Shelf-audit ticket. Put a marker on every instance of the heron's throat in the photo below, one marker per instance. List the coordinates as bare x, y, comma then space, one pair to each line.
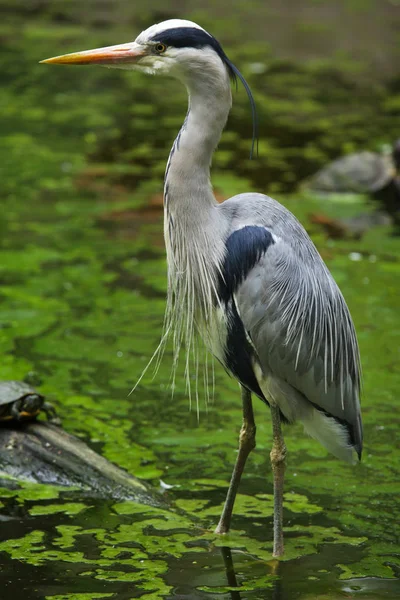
193, 227
188, 190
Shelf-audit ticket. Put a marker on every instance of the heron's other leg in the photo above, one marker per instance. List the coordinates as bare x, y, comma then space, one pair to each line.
247, 442
278, 455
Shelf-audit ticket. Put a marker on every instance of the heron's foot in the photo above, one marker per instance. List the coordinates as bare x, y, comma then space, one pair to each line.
222, 528
278, 549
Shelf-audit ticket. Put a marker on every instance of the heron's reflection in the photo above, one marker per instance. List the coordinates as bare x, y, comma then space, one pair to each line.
276, 590
230, 572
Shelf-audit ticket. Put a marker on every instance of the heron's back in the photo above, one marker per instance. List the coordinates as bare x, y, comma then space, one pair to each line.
289, 319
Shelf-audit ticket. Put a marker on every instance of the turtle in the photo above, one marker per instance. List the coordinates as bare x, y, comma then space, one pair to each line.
365, 173
21, 402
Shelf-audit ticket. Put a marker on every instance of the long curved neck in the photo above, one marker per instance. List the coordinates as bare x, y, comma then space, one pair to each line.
193, 227
187, 189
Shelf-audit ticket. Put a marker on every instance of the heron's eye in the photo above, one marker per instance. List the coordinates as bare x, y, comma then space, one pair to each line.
160, 48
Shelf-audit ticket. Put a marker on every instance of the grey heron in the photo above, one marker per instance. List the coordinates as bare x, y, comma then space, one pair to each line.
244, 275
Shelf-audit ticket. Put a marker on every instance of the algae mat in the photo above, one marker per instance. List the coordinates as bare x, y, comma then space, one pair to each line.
81, 311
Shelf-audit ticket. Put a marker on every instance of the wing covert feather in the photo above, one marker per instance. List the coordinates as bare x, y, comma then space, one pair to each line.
301, 329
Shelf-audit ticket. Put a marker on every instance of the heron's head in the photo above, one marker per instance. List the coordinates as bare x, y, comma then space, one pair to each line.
176, 47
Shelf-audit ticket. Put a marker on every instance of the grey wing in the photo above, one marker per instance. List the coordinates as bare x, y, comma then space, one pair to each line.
304, 338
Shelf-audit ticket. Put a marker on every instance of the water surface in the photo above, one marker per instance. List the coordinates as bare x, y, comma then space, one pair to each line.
83, 278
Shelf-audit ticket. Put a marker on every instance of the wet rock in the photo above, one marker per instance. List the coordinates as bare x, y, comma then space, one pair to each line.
44, 453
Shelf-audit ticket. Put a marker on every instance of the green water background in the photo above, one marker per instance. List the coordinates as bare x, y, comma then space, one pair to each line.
83, 282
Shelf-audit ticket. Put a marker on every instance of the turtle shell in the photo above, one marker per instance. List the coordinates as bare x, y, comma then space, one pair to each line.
363, 172
10, 391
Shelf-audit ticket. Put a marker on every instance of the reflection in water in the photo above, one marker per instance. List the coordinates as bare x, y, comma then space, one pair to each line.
276, 590
304, 578
230, 572
277, 587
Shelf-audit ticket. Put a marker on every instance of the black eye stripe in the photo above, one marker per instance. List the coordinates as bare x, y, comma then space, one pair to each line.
187, 37
191, 37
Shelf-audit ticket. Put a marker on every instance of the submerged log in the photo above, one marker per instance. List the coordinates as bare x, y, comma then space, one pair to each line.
44, 453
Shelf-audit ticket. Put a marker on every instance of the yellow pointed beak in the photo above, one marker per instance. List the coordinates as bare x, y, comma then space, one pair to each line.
110, 55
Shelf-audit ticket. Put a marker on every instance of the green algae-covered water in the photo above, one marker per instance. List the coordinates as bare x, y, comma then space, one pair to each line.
81, 309
83, 275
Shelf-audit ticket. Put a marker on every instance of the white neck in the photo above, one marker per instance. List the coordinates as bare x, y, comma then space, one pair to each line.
187, 178
193, 227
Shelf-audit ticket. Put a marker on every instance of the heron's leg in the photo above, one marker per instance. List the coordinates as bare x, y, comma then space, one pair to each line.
247, 442
278, 455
